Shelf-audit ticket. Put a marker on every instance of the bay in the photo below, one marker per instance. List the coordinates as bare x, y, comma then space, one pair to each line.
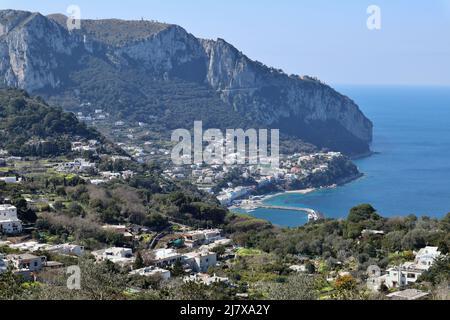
410, 174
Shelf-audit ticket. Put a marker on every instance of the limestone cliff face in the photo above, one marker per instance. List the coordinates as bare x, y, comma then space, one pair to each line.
38, 52
271, 95
32, 49
164, 51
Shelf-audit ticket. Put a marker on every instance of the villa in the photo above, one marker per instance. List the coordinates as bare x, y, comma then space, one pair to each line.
9, 223
409, 272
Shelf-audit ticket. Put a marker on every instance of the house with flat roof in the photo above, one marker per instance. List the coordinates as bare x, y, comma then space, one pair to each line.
30, 246
165, 257
26, 262
200, 261
206, 279
202, 237
409, 294
9, 180
120, 256
405, 275
9, 223
67, 249
163, 274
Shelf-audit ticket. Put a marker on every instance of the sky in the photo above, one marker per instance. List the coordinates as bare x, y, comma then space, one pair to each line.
328, 39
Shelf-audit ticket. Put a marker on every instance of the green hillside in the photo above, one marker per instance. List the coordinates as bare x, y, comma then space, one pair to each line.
30, 127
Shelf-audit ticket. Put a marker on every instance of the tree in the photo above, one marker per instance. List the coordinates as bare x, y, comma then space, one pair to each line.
445, 223
347, 288
310, 268
139, 261
98, 281
443, 247
345, 283
362, 213
187, 291
23, 212
10, 286
392, 242
414, 240
219, 250
439, 271
156, 221
177, 269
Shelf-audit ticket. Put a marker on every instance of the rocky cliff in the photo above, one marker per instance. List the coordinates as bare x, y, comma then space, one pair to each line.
39, 54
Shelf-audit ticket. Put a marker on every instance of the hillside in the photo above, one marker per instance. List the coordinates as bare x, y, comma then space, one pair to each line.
30, 127
137, 70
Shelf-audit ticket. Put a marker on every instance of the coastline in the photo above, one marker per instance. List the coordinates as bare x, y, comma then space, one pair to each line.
274, 195
341, 182
250, 204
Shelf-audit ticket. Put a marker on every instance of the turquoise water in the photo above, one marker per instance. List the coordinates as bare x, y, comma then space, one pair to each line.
411, 173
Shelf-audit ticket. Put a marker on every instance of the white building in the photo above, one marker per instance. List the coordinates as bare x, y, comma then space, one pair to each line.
221, 242
298, 268
202, 237
77, 165
121, 256
9, 223
229, 195
10, 180
409, 272
368, 232
30, 246
97, 182
201, 261
402, 276
110, 175
26, 262
152, 272
206, 279
426, 257
165, 257
67, 249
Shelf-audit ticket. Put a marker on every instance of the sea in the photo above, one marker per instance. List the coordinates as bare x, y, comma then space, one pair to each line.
410, 170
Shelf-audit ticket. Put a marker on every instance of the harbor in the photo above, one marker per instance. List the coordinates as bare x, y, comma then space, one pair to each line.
258, 203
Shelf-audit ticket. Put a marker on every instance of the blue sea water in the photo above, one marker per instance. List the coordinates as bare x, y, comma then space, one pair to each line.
411, 172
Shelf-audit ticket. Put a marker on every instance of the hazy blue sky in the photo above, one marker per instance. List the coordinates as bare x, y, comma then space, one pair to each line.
324, 38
